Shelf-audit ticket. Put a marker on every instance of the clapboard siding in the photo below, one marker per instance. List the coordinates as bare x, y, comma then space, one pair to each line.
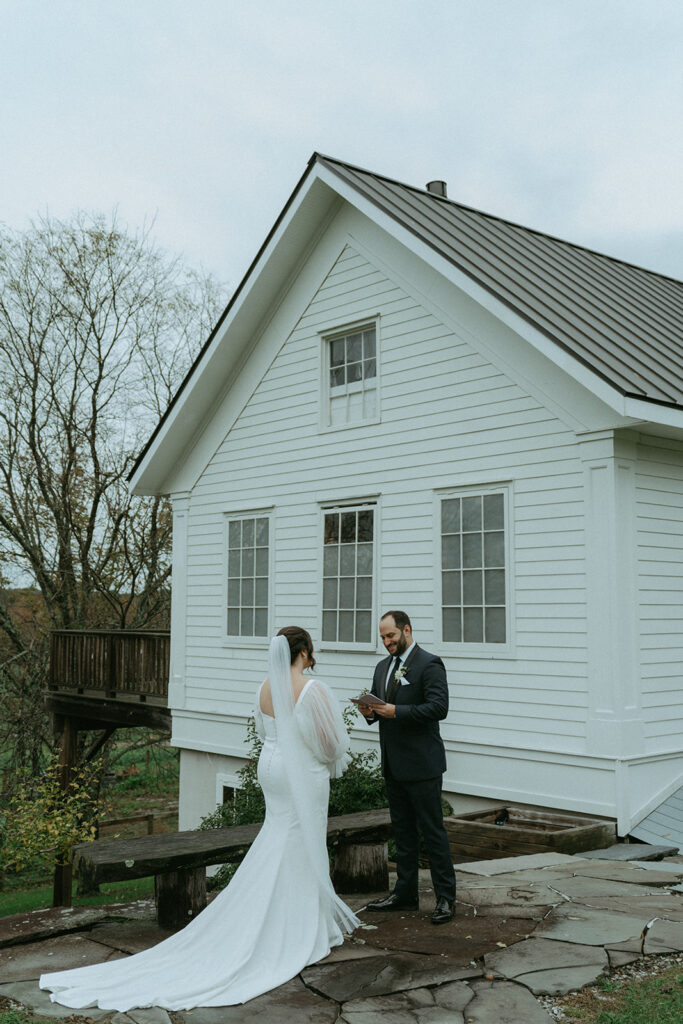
660, 588
447, 416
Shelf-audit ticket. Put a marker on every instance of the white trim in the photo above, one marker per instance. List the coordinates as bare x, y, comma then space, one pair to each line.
223, 779
488, 651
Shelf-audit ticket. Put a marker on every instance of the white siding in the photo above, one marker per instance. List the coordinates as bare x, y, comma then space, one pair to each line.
448, 417
660, 587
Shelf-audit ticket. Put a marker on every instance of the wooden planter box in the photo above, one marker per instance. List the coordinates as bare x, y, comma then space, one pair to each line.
476, 836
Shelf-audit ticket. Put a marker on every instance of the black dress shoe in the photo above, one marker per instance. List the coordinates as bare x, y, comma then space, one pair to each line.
393, 902
443, 912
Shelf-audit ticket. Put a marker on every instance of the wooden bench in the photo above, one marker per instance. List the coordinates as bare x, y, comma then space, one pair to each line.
179, 860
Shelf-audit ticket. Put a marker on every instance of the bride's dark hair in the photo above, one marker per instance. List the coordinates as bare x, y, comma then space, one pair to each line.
299, 640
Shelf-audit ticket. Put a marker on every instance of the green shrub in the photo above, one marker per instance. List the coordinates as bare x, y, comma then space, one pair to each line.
360, 788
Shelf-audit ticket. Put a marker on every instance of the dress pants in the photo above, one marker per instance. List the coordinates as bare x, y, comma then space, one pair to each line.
415, 809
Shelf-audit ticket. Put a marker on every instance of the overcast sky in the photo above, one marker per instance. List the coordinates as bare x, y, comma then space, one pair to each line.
563, 115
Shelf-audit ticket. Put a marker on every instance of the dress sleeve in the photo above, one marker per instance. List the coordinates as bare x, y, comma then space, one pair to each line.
322, 727
258, 716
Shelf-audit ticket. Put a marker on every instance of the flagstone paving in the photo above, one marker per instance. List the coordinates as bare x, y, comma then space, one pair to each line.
525, 926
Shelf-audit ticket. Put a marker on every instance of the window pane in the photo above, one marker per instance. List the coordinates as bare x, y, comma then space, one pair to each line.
471, 550
494, 549
329, 625
234, 563
332, 528
354, 348
363, 627
338, 352
450, 516
247, 622
248, 561
473, 625
346, 623
261, 593
337, 376
364, 592
248, 533
233, 592
330, 593
261, 533
364, 559
331, 560
347, 593
347, 562
369, 344
472, 587
261, 562
495, 625
471, 513
451, 625
247, 593
495, 586
493, 512
261, 622
451, 587
354, 372
365, 525
348, 527
233, 622
369, 369
235, 535
450, 552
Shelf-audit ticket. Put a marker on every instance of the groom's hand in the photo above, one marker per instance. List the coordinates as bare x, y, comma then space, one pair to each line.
386, 710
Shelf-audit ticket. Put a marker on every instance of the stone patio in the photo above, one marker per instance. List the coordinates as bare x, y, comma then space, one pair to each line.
525, 927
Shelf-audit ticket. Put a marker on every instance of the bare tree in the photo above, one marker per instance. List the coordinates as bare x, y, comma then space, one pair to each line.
97, 328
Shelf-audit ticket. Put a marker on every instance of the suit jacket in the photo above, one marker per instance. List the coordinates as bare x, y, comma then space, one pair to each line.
410, 743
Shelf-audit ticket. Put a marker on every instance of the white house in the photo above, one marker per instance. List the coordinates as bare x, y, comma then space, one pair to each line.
412, 404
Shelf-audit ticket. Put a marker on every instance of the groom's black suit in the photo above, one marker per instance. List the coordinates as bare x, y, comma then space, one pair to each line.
413, 762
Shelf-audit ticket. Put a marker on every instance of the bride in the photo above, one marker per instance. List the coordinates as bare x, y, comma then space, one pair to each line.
280, 912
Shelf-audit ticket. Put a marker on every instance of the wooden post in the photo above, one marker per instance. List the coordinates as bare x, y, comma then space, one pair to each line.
361, 867
180, 896
61, 889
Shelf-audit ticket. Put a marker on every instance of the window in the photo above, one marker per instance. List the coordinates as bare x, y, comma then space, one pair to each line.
248, 549
348, 548
352, 369
473, 584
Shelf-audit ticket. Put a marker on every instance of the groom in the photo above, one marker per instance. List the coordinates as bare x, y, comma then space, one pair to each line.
413, 683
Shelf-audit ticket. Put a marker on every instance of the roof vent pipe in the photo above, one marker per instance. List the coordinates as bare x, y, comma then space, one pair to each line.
437, 188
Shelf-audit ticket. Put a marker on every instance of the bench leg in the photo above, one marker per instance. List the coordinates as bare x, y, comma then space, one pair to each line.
180, 896
361, 867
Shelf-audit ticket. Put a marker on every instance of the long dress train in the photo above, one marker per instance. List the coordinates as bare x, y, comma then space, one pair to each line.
275, 917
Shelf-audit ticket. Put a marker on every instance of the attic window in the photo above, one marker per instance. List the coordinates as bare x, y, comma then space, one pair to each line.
351, 360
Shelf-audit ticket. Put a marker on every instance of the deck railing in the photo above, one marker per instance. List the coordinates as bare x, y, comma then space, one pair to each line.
110, 662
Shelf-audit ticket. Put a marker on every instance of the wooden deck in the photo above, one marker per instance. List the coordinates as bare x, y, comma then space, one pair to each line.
116, 677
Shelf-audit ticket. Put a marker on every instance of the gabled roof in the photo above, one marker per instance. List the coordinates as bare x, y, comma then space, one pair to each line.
623, 323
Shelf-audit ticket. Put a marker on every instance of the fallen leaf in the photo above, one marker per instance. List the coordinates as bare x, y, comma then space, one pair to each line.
503, 945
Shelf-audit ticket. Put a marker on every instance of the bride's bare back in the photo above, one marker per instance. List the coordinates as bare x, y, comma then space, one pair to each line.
299, 680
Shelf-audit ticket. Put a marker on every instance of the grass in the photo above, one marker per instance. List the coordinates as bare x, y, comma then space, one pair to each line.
653, 1000
39, 897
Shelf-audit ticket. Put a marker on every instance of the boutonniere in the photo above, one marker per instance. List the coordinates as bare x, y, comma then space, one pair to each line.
399, 674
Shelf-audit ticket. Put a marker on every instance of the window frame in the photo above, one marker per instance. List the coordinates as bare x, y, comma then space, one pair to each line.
259, 642
350, 505
472, 649
326, 339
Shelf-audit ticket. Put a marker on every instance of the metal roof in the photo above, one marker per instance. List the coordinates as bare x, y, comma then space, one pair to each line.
623, 322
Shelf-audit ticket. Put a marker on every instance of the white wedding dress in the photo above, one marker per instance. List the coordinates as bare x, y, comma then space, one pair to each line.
279, 913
